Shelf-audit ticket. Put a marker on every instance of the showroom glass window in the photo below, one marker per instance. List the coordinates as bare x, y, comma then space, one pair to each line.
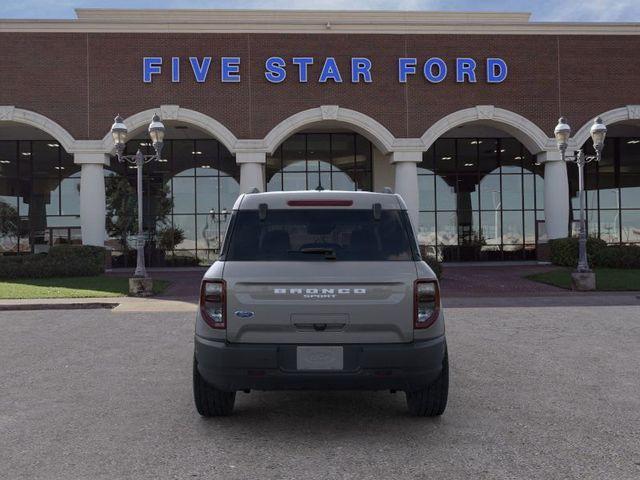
39, 196
201, 178
333, 161
612, 191
480, 199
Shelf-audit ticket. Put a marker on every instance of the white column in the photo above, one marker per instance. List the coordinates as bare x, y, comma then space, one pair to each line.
251, 170
406, 166
556, 194
92, 197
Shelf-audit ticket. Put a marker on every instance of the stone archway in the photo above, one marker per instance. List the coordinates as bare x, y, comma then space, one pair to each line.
617, 115
178, 114
373, 130
9, 113
521, 128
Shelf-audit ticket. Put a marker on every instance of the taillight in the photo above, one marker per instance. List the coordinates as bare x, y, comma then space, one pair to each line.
213, 303
426, 303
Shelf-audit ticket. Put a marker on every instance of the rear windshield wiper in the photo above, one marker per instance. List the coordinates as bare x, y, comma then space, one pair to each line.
329, 253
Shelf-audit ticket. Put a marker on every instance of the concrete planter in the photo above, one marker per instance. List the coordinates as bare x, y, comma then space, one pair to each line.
583, 282
141, 287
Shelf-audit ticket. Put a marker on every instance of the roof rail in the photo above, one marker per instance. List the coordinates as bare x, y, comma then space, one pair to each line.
387, 190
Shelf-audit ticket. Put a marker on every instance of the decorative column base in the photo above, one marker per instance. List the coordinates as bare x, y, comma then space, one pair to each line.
141, 286
583, 281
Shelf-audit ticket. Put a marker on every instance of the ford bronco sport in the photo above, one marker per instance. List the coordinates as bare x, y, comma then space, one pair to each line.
320, 290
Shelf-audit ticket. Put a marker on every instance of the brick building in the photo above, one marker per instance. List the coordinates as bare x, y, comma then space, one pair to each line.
454, 111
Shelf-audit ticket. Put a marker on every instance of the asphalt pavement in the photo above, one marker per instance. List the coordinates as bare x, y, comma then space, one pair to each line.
546, 392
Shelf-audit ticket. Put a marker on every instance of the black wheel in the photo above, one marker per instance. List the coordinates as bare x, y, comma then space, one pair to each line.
211, 402
432, 400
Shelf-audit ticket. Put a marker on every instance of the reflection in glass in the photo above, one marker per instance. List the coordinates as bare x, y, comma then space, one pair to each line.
202, 180
427, 229
630, 196
490, 198
512, 228
183, 195
445, 195
39, 191
206, 195
630, 222
306, 161
447, 228
512, 192
488, 215
610, 225
426, 188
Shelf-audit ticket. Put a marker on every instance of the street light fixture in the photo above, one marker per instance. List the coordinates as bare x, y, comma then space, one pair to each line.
598, 133
119, 133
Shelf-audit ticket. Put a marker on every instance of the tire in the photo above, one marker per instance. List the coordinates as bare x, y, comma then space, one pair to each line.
211, 402
432, 400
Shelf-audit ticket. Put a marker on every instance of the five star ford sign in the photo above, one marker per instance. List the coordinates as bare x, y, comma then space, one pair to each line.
361, 69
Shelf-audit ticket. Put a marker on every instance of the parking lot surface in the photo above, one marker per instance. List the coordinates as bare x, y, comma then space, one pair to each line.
548, 392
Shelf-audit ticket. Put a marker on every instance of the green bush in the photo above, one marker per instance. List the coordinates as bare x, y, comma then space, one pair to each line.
181, 261
617, 256
564, 251
61, 261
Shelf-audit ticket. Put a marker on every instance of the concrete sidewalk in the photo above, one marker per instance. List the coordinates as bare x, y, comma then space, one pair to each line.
463, 286
177, 304
118, 304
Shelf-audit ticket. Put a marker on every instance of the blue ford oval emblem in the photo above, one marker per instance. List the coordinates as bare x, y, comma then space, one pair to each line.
243, 314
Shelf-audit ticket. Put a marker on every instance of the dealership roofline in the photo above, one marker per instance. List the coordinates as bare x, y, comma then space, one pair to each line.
310, 21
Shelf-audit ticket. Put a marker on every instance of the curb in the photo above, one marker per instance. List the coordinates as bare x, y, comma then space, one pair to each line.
57, 306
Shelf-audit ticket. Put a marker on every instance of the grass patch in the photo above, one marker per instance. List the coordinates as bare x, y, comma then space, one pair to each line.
71, 287
607, 279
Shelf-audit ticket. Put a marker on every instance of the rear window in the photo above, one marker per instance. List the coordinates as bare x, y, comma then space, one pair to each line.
319, 235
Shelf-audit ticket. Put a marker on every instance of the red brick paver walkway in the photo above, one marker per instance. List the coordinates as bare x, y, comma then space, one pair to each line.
457, 281
504, 280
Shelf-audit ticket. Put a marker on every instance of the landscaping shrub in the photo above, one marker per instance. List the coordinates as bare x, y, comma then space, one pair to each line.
564, 251
181, 261
61, 261
617, 256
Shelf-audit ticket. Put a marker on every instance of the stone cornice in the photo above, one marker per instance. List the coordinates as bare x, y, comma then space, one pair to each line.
296, 21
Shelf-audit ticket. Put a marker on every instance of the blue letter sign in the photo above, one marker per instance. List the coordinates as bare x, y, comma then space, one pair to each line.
151, 66
303, 66
406, 66
465, 67
496, 70
230, 69
428, 70
330, 71
275, 69
434, 69
200, 71
360, 67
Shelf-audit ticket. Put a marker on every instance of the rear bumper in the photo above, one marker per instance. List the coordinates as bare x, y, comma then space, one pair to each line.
232, 367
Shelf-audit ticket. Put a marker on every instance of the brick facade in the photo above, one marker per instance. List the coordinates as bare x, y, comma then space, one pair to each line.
80, 80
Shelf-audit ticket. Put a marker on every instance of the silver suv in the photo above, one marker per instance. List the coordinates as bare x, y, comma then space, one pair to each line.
320, 290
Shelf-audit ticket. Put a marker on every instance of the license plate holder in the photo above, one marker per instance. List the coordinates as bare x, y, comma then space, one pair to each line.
320, 358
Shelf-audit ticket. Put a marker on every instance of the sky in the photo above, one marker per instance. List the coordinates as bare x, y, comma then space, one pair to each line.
542, 10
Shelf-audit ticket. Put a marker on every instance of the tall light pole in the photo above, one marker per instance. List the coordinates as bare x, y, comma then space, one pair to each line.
598, 133
156, 132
